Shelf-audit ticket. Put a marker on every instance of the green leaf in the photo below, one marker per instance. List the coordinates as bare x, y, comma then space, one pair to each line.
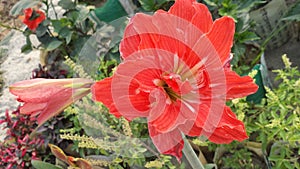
247, 36
288, 165
27, 47
210, 166
152, 5
83, 15
67, 4
110, 11
53, 45
295, 17
18, 8
293, 13
211, 3
59, 24
66, 33
239, 50
73, 15
148, 5
248, 5
295, 137
42, 165
41, 30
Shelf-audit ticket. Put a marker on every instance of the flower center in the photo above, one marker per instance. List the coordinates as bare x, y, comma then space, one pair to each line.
34, 16
171, 93
170, 84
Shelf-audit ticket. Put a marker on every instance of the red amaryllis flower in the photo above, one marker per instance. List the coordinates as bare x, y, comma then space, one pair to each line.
48, 97
175, 73
32, 18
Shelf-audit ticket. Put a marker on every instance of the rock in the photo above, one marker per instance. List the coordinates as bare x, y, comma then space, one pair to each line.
17, 66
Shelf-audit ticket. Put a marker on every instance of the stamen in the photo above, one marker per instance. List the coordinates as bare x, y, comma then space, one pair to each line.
158, 82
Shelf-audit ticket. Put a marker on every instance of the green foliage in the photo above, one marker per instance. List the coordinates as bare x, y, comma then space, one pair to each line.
67, 34
41, 165
106, 138
279, 122
293, 13
237, 157
273, 126
110, 11
164, 162
76, 68
114, 141
153, 5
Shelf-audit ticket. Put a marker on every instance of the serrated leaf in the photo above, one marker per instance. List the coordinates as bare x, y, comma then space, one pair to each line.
42, 165
53, 45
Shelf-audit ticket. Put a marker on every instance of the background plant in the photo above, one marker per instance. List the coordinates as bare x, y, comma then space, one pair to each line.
272, 126
19, 148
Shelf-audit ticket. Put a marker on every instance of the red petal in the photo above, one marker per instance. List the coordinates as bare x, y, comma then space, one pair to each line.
56, 104
221, 36
198, 14
41, 17
40, 90
163, 31
33, 23
122, 99
166, 118
239, 86
138, 105
102, 92
229, 128
32, 108
49, 96
28, 12
130, 42
167, 143
183, 9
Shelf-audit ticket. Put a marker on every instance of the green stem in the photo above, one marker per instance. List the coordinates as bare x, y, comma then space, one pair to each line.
53, 7
274, 32
190, 155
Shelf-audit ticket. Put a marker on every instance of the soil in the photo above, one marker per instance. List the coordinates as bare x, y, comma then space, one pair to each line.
5, 18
